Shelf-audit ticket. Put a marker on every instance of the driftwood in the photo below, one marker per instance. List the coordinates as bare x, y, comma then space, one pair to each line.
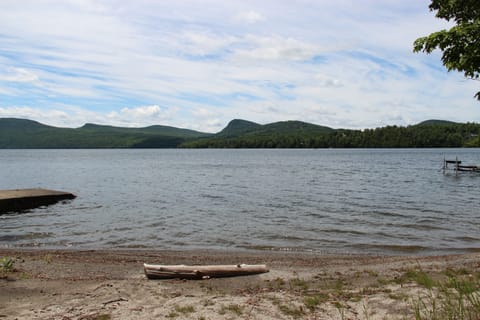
153, 271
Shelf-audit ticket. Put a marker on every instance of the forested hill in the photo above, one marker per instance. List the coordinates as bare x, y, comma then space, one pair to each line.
296, 134
21, 133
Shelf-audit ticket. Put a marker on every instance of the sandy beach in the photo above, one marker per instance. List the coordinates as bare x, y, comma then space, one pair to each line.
73, 284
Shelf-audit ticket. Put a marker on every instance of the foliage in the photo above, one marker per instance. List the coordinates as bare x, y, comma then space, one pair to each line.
184, 309
6, 264
246, 128
236, 309
457, 298
292, 311
312, 302
18, 133
420, 277
461, 43
238, 126
21, 133
298, 283
429, 134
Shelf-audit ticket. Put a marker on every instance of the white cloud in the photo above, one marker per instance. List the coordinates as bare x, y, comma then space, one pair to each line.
142, 115
140, 112
18, 75
277, 48
188, 63
203, 43
249, 17
327, 81
53, 117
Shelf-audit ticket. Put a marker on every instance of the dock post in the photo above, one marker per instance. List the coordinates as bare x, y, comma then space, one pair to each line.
456, 166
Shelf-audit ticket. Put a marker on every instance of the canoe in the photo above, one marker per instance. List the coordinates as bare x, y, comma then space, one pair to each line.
155, 271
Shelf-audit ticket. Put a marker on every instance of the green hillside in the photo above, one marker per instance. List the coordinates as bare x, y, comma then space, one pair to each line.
156, 130
296, 127
246, 134
296, 134
437, 123
238, 127
22, 133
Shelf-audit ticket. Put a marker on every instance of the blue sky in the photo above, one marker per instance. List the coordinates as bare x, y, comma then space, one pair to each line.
199, 64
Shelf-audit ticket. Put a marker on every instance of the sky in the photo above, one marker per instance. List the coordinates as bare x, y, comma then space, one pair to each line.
198, 64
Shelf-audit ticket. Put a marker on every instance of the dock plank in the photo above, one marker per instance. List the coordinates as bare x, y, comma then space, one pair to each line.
23, 199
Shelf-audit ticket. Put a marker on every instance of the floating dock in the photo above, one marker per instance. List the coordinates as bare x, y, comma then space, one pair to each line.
23, 199
458, 167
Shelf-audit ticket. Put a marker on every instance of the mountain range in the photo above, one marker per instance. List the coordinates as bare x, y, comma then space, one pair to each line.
22, 133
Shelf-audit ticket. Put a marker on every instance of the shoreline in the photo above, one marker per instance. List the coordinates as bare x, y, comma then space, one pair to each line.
387, 251
91, 284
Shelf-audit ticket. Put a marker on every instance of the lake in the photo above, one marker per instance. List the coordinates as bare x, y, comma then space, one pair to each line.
349, 201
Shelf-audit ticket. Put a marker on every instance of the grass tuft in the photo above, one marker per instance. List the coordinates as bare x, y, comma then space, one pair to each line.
312, 302
298, 283
184, 309
6, 264
457, 298
233, 308
292, 311
420, 277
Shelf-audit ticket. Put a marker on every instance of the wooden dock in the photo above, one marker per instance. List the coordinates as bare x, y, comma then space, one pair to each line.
458, 167
23, 199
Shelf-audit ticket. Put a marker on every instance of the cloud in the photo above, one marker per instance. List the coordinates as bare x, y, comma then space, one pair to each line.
142, 115
71, 116
140, 112
277, 48
249, 17
200, 64
327, 81
53, 117
203, 43
12, 74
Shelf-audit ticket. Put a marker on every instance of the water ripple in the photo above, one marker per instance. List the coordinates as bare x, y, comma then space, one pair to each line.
382, 201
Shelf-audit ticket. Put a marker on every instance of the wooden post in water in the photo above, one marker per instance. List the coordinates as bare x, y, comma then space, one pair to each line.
456, 166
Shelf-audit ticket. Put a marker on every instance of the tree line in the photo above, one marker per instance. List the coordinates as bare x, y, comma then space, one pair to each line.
416, 136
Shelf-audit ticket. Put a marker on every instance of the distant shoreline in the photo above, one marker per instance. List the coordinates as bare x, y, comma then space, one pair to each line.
28, 134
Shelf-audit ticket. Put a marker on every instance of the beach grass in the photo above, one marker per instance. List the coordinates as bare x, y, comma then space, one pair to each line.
6, 264
236, 309
185, 309
312, 302
456, 298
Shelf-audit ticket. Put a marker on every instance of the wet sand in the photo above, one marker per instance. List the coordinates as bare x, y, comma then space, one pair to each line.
110, 284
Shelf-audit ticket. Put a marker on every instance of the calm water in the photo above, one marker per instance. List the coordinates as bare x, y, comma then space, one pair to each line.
330, 201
